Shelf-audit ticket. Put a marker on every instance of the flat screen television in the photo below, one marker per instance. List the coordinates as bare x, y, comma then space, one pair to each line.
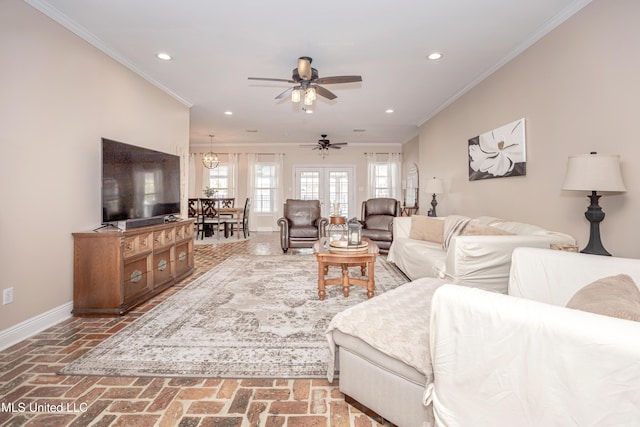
138, 182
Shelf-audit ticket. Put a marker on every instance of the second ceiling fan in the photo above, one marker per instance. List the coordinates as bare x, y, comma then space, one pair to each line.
307, 83
324, 144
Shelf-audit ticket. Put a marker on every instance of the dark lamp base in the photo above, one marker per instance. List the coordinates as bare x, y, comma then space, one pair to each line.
595, 216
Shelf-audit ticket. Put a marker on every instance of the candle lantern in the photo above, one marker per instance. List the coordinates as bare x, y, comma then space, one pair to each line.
354, 229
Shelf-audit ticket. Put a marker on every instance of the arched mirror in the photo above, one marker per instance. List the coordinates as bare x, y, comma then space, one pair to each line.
410, 203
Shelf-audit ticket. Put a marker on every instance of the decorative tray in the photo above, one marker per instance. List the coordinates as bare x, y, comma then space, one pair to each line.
342, 246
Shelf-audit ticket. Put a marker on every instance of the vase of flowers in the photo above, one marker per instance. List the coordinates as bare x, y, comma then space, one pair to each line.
210, 192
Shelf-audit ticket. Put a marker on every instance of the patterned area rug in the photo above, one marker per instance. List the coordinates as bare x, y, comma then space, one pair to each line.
249, 317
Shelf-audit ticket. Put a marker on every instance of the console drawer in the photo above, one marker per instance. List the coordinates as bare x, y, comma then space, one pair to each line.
163, 238
134, 245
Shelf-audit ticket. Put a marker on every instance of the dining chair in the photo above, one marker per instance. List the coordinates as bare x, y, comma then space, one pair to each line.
227, 202
209, 218
193, 207
244, 220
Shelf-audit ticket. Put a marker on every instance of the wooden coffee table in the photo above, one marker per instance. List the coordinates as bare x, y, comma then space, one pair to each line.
365, 260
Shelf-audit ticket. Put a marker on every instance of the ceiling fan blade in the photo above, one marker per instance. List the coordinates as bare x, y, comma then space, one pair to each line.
324, 92
338, 79
308, 145
340, 143
285, 93
334, 146
267, 79
304, 68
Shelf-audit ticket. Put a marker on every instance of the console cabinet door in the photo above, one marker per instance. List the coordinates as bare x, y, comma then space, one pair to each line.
137, 280
162, 267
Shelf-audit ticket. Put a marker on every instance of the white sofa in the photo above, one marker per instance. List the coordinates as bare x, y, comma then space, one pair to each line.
498, 360
529, 361
479, 260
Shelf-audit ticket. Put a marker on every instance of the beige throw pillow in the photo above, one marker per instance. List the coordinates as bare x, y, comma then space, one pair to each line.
426, 228
473, 229
615, 296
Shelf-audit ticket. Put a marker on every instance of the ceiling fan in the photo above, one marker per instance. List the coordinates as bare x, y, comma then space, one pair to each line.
307, 82
324, 144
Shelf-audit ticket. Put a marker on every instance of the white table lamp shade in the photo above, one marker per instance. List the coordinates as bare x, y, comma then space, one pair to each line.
434, 186
594, 172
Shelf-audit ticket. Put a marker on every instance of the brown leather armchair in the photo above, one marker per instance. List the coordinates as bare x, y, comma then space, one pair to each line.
377, 220
302, 224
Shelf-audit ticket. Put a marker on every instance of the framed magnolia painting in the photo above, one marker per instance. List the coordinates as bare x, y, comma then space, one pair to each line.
498, 153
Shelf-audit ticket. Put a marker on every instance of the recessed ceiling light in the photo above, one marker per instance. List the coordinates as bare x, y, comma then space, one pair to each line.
164, 56
359, 130
228, 113
252, 130
389, 110
434, 56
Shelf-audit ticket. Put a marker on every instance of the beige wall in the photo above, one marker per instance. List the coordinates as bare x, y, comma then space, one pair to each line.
579, 90
59, 96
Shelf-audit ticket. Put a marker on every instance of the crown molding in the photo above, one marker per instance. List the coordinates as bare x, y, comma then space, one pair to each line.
84, 34
551, 24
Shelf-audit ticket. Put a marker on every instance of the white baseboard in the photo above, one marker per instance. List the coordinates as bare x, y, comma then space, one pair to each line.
30, 327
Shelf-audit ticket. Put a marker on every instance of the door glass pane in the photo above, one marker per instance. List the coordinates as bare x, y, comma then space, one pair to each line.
333, 186
310, 185
339, 193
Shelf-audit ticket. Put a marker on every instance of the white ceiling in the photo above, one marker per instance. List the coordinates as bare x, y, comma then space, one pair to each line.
216, 45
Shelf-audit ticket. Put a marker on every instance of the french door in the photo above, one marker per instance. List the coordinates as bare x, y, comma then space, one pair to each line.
334, 186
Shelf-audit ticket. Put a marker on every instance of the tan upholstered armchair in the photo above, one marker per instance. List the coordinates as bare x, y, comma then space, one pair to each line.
377, 221
302, 224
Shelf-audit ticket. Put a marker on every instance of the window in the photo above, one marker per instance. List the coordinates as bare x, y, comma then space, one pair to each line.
265, 188
309, 185
219, 180
382, 183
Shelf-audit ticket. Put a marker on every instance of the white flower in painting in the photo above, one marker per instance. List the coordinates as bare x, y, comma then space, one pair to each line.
499, 150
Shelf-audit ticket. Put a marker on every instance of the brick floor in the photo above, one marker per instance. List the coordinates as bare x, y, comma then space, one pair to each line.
31, 394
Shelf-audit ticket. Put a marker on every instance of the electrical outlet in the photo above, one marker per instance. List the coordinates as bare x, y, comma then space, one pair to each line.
7, 296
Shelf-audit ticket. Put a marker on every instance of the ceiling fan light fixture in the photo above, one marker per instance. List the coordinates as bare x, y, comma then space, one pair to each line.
295, 95
309, 96
210, 160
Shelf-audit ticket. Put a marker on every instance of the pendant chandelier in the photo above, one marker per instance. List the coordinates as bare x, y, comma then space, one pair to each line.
210, 160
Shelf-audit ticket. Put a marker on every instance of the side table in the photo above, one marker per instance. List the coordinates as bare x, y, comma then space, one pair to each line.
408, 210
365, 260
